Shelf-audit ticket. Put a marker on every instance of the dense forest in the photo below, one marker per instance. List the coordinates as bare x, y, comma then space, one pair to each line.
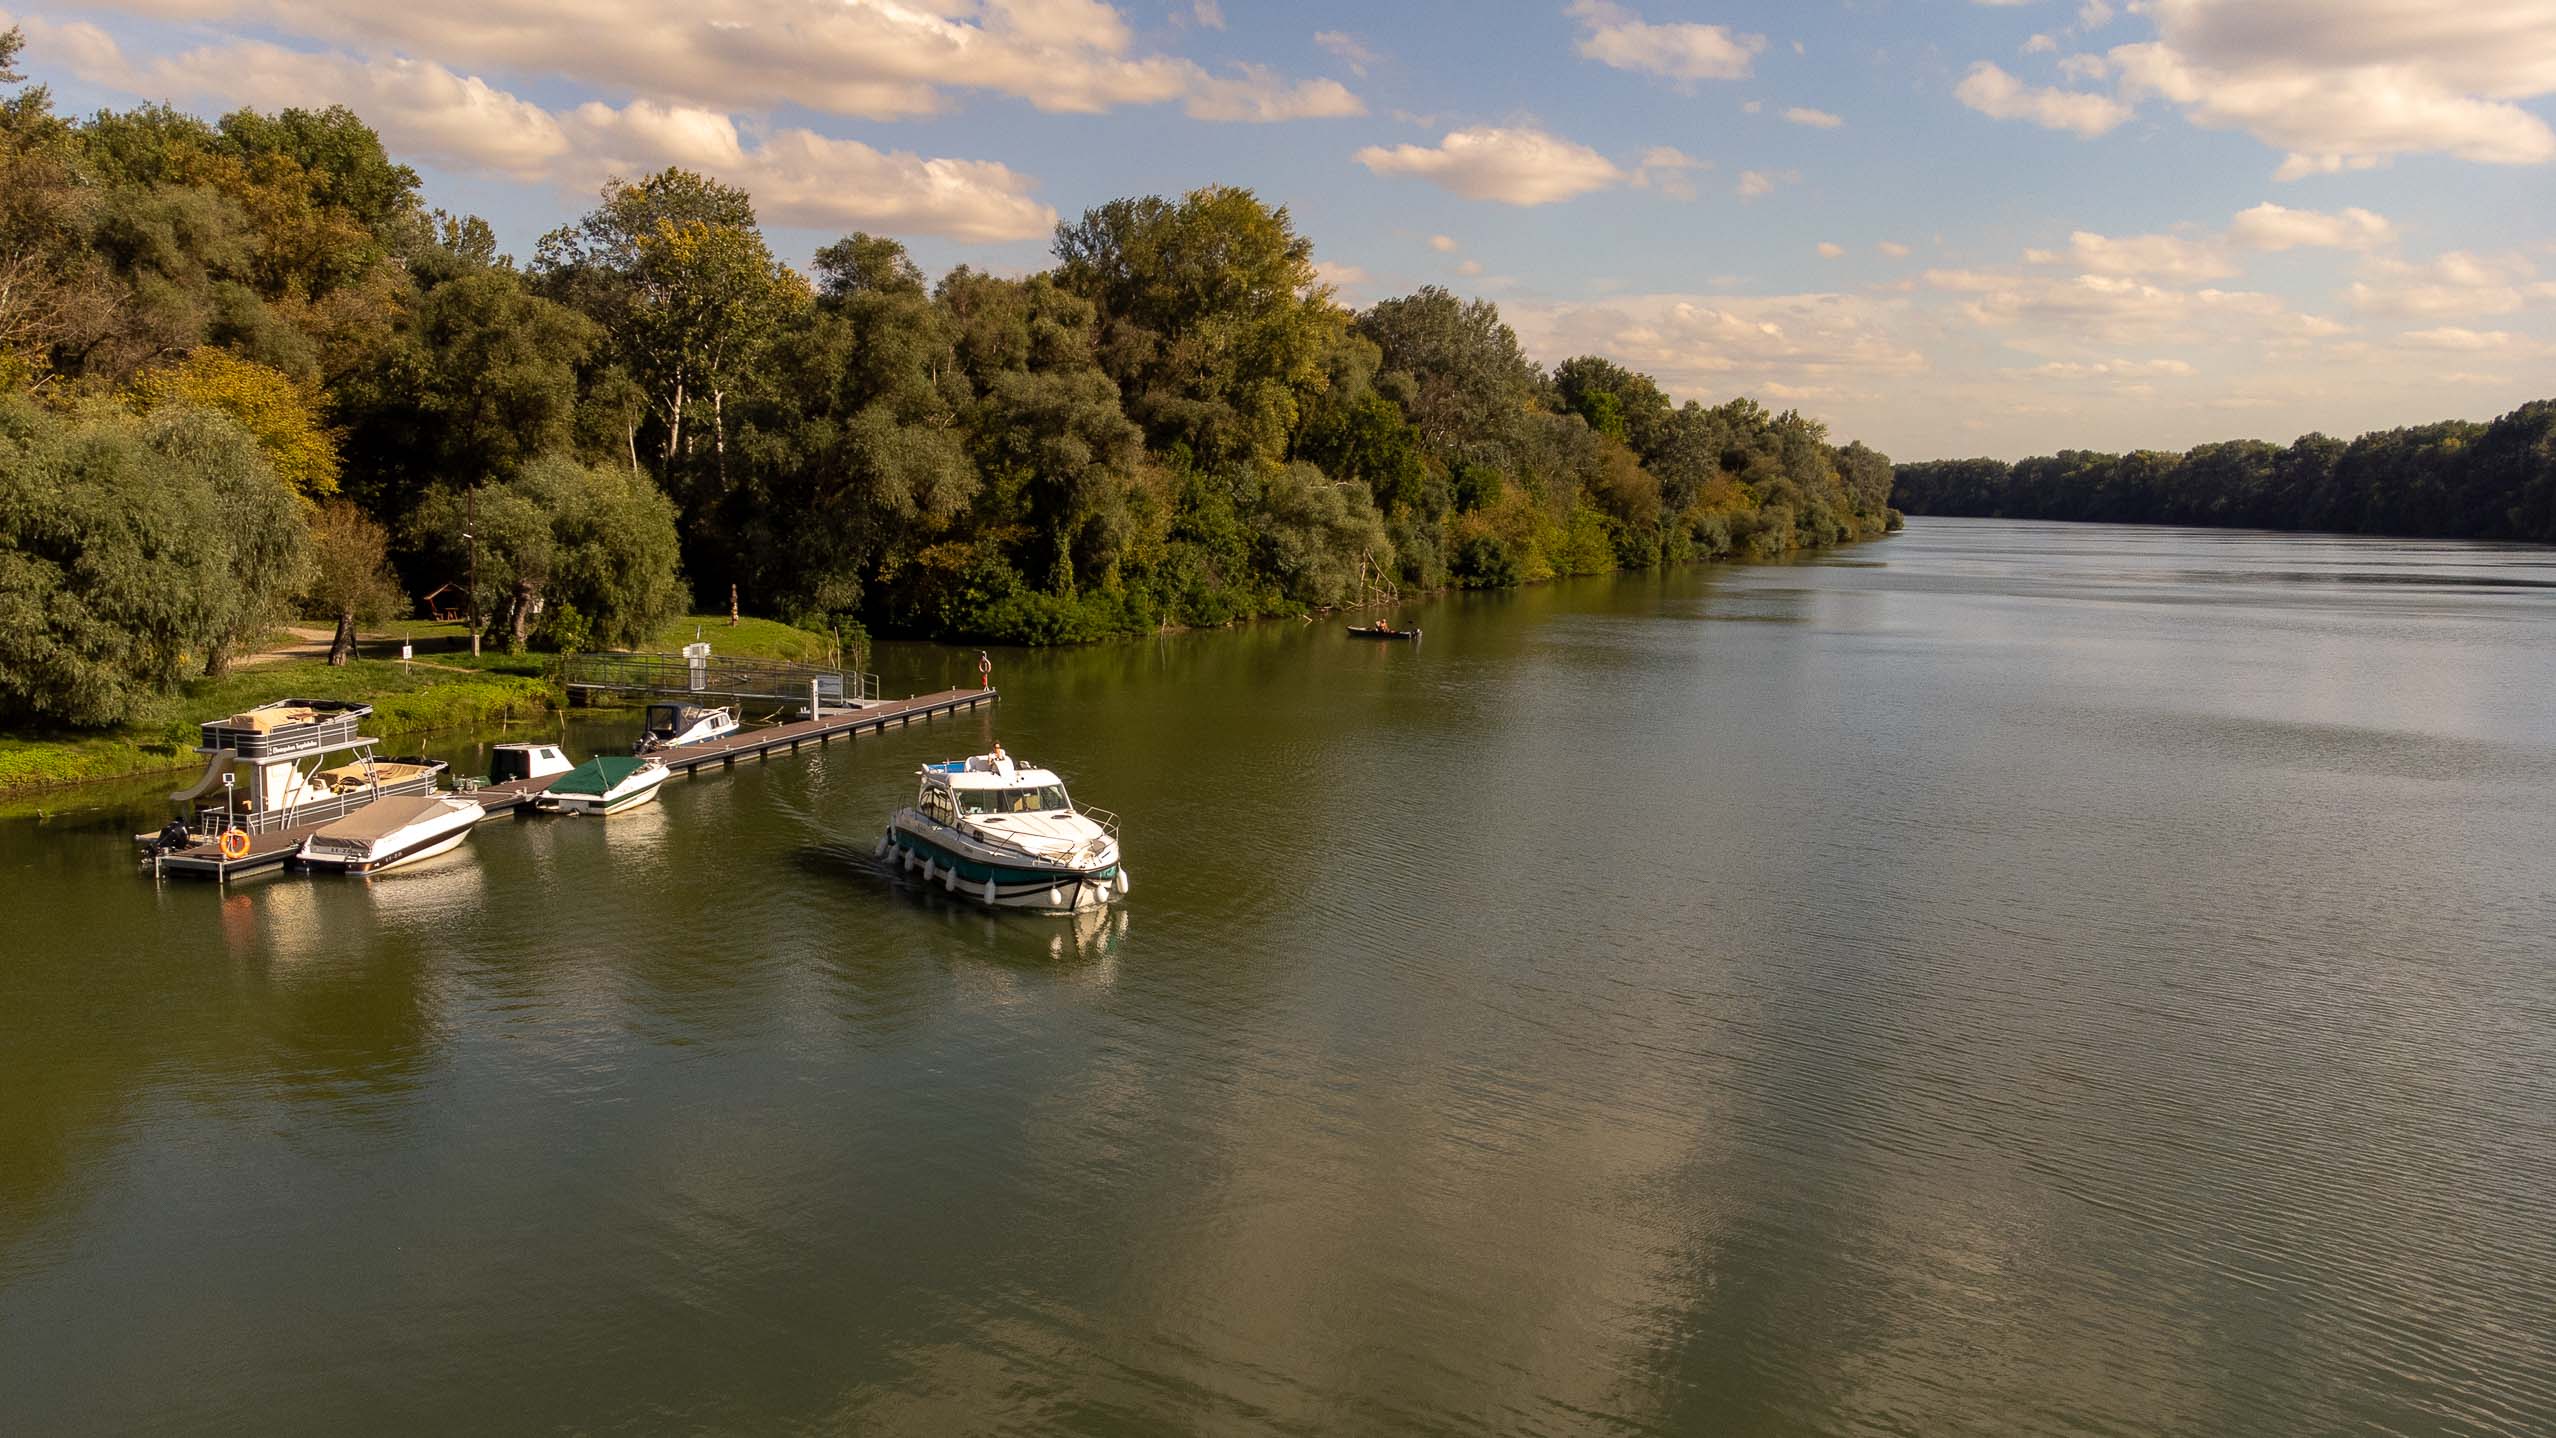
246, 372
2456, 479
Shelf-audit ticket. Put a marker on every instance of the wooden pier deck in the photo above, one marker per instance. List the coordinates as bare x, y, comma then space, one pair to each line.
271, 849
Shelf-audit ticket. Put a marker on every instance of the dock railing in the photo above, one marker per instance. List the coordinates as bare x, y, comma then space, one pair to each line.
716, 676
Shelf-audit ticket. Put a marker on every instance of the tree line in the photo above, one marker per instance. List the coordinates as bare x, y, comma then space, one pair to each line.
2456, 479
246, 370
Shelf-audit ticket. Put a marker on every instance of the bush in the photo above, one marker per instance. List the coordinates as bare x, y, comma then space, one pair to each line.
1485, 561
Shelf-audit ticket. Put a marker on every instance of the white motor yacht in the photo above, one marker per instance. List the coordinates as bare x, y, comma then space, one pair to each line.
387, 833
1007, 835
672, 726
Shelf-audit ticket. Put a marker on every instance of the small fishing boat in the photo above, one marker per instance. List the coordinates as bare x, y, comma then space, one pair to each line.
508, 763
387, 833
1382, 631
1006, 835
672, 726
605, 784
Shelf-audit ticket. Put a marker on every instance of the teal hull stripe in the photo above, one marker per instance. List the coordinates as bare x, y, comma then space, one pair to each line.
976, 873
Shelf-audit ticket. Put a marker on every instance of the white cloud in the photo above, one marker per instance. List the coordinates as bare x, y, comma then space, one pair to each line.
1814, 346
1829, 250
1755, 184
1893, 248
797, 177
2105, 309
2342, 84
2453, 284
2456, 340
1519, 166
1339, 276
2085, 67
2160, 257
1816, 119
2110, 369
1614, 35
1993, 92
2270, 227
1348, 49
1469, 267
2041, 45
1443, 244
2094, 14
1208, 14
1253, 92
1668, 169
875, 59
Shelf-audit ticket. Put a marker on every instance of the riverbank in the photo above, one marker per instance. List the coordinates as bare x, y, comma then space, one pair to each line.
445, 687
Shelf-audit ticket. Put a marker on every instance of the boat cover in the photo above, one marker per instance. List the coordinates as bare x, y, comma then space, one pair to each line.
383, 817
598, 776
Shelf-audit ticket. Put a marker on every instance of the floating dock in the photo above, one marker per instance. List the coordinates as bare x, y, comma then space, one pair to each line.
269, 850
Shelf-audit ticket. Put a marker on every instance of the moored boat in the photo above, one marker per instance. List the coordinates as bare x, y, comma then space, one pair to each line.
605, 784
508, 763
673, 726
1006, 835
387, 833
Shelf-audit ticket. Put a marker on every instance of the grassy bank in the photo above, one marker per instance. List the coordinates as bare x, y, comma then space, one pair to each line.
750, 639
447, 688
412, 701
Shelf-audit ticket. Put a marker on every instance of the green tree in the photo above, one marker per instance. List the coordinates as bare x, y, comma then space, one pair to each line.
351, 580
128, 545
559, 535
1212, 320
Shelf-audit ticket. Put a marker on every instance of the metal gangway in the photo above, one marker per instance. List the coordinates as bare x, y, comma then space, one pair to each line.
698, 672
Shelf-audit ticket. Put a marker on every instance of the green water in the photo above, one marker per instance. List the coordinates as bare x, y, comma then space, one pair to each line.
2009, 979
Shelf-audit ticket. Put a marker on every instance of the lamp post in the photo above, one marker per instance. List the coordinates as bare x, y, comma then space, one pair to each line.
470, 531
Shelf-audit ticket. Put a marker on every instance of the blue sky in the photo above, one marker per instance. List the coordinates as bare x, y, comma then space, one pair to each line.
1945, 228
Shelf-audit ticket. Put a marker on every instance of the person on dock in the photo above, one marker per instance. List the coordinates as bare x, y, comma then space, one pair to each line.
984, 670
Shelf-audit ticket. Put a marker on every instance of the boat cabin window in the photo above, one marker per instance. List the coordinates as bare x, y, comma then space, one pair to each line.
1035, 799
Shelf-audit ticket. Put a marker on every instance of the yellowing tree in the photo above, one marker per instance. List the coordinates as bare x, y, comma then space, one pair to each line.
281, 412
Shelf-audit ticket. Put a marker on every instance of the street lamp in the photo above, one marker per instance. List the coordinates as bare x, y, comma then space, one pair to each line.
470, 532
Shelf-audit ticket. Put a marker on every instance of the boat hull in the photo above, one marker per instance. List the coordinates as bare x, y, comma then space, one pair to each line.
601, 805
997, 879
400, 852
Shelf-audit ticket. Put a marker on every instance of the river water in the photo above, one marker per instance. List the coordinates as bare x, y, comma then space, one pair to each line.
2010, 978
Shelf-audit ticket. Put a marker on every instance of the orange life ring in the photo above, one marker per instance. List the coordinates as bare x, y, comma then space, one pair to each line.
235, 843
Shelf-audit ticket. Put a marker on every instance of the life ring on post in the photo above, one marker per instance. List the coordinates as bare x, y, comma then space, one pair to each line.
235, 843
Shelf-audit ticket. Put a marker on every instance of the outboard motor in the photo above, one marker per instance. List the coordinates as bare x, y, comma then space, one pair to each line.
173, 837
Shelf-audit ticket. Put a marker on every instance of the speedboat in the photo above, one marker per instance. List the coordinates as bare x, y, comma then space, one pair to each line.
605, 784
508, 763
672, 726
1382, 631
1006, 835
387, 833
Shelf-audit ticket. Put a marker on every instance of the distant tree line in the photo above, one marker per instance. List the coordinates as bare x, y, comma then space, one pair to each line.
2455, 479
1178, 424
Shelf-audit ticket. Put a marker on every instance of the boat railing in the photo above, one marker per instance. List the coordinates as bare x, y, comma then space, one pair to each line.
210, 818
328, 731
1103, 817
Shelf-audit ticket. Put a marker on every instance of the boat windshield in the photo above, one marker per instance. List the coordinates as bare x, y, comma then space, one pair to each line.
1039, 799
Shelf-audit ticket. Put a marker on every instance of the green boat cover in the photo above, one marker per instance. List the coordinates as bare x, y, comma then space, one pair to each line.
598, 776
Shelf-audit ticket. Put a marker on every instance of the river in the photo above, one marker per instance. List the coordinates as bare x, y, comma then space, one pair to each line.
2006, 979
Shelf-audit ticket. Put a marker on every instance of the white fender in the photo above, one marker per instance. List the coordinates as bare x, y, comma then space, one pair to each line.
1055, 897
1122, 878
949, 880
881, 851
989, 889
927, 868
